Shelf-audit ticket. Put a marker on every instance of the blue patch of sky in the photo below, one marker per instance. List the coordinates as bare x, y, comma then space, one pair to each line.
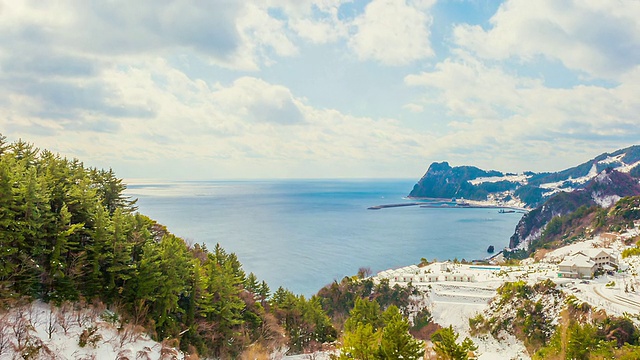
352, 9
473, 12
449, 13
277, 13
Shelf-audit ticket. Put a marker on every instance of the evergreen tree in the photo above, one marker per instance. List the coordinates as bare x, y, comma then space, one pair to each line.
396, 342
251, 283
364, 312
446, 346
68, 232
361, 343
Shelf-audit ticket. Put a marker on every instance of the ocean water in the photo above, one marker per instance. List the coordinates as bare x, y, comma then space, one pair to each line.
304, 234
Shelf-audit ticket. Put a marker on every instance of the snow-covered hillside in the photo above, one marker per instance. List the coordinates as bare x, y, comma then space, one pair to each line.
74, 331
456, 293
527, 189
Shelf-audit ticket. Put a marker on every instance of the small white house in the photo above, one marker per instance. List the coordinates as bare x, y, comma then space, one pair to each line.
578, 265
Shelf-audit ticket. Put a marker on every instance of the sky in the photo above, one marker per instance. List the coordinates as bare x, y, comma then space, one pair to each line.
229, 89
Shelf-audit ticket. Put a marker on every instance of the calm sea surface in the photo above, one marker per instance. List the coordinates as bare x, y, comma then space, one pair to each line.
304, 234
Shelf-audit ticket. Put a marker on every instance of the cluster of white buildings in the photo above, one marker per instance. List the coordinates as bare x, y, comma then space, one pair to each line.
582, 264
417, 275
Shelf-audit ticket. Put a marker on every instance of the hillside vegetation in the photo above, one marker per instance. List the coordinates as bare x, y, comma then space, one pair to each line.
555, 326
582, 223
569, 214
69, 235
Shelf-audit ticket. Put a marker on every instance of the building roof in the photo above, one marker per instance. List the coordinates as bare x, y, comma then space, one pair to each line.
593, 253
579, 260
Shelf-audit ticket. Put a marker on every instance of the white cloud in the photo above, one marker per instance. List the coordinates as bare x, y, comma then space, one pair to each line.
261, 33
230, 34
319, 31
255, 100
246, 124
316, 21
166, 83
599, 38
497, 111
416, 108
392, 32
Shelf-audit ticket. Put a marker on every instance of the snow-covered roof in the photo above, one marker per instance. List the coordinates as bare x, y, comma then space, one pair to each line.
579, 260
593, 253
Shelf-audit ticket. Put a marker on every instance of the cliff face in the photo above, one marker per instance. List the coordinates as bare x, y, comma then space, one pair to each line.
603, 190
444, 181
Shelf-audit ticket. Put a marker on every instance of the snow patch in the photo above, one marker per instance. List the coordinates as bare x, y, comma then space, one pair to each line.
613, 159
518, 178
557, 186
627, 168
605, 201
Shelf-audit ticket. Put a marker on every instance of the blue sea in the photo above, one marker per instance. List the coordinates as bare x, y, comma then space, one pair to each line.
304, 234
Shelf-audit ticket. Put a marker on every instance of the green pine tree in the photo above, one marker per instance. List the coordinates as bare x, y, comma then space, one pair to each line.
446, 346
396, 342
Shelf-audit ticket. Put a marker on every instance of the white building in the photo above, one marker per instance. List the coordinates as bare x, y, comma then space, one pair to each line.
603, 258
585, 263
578, 265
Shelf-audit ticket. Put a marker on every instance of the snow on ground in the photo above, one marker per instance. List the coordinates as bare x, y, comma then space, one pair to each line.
606, 201
618, 293
556, 187
457, 292
454, 302
314, 356
627, 168
519, 178
47, 332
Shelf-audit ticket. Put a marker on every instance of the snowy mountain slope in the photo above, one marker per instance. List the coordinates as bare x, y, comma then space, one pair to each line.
529, 189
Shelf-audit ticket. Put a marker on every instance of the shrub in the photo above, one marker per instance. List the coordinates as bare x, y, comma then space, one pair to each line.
90, 337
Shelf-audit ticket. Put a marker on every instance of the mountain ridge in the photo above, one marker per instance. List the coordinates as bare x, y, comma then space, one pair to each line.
604, 190
598, 183
528, 189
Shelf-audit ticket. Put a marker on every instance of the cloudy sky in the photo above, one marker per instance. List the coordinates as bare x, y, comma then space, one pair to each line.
320, 88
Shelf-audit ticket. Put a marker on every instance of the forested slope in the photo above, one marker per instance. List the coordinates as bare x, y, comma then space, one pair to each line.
68, 232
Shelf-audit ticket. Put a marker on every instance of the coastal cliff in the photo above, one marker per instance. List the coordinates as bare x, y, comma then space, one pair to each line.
595, 184
443, 181
602, 191
527, 189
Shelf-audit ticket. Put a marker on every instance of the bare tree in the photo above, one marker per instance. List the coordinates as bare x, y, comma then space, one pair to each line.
125, 355
35, 315
140, 311
364, 272
168, 349
51, 322
144, 354
129, 333
64, 315
21, 327
5, 340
